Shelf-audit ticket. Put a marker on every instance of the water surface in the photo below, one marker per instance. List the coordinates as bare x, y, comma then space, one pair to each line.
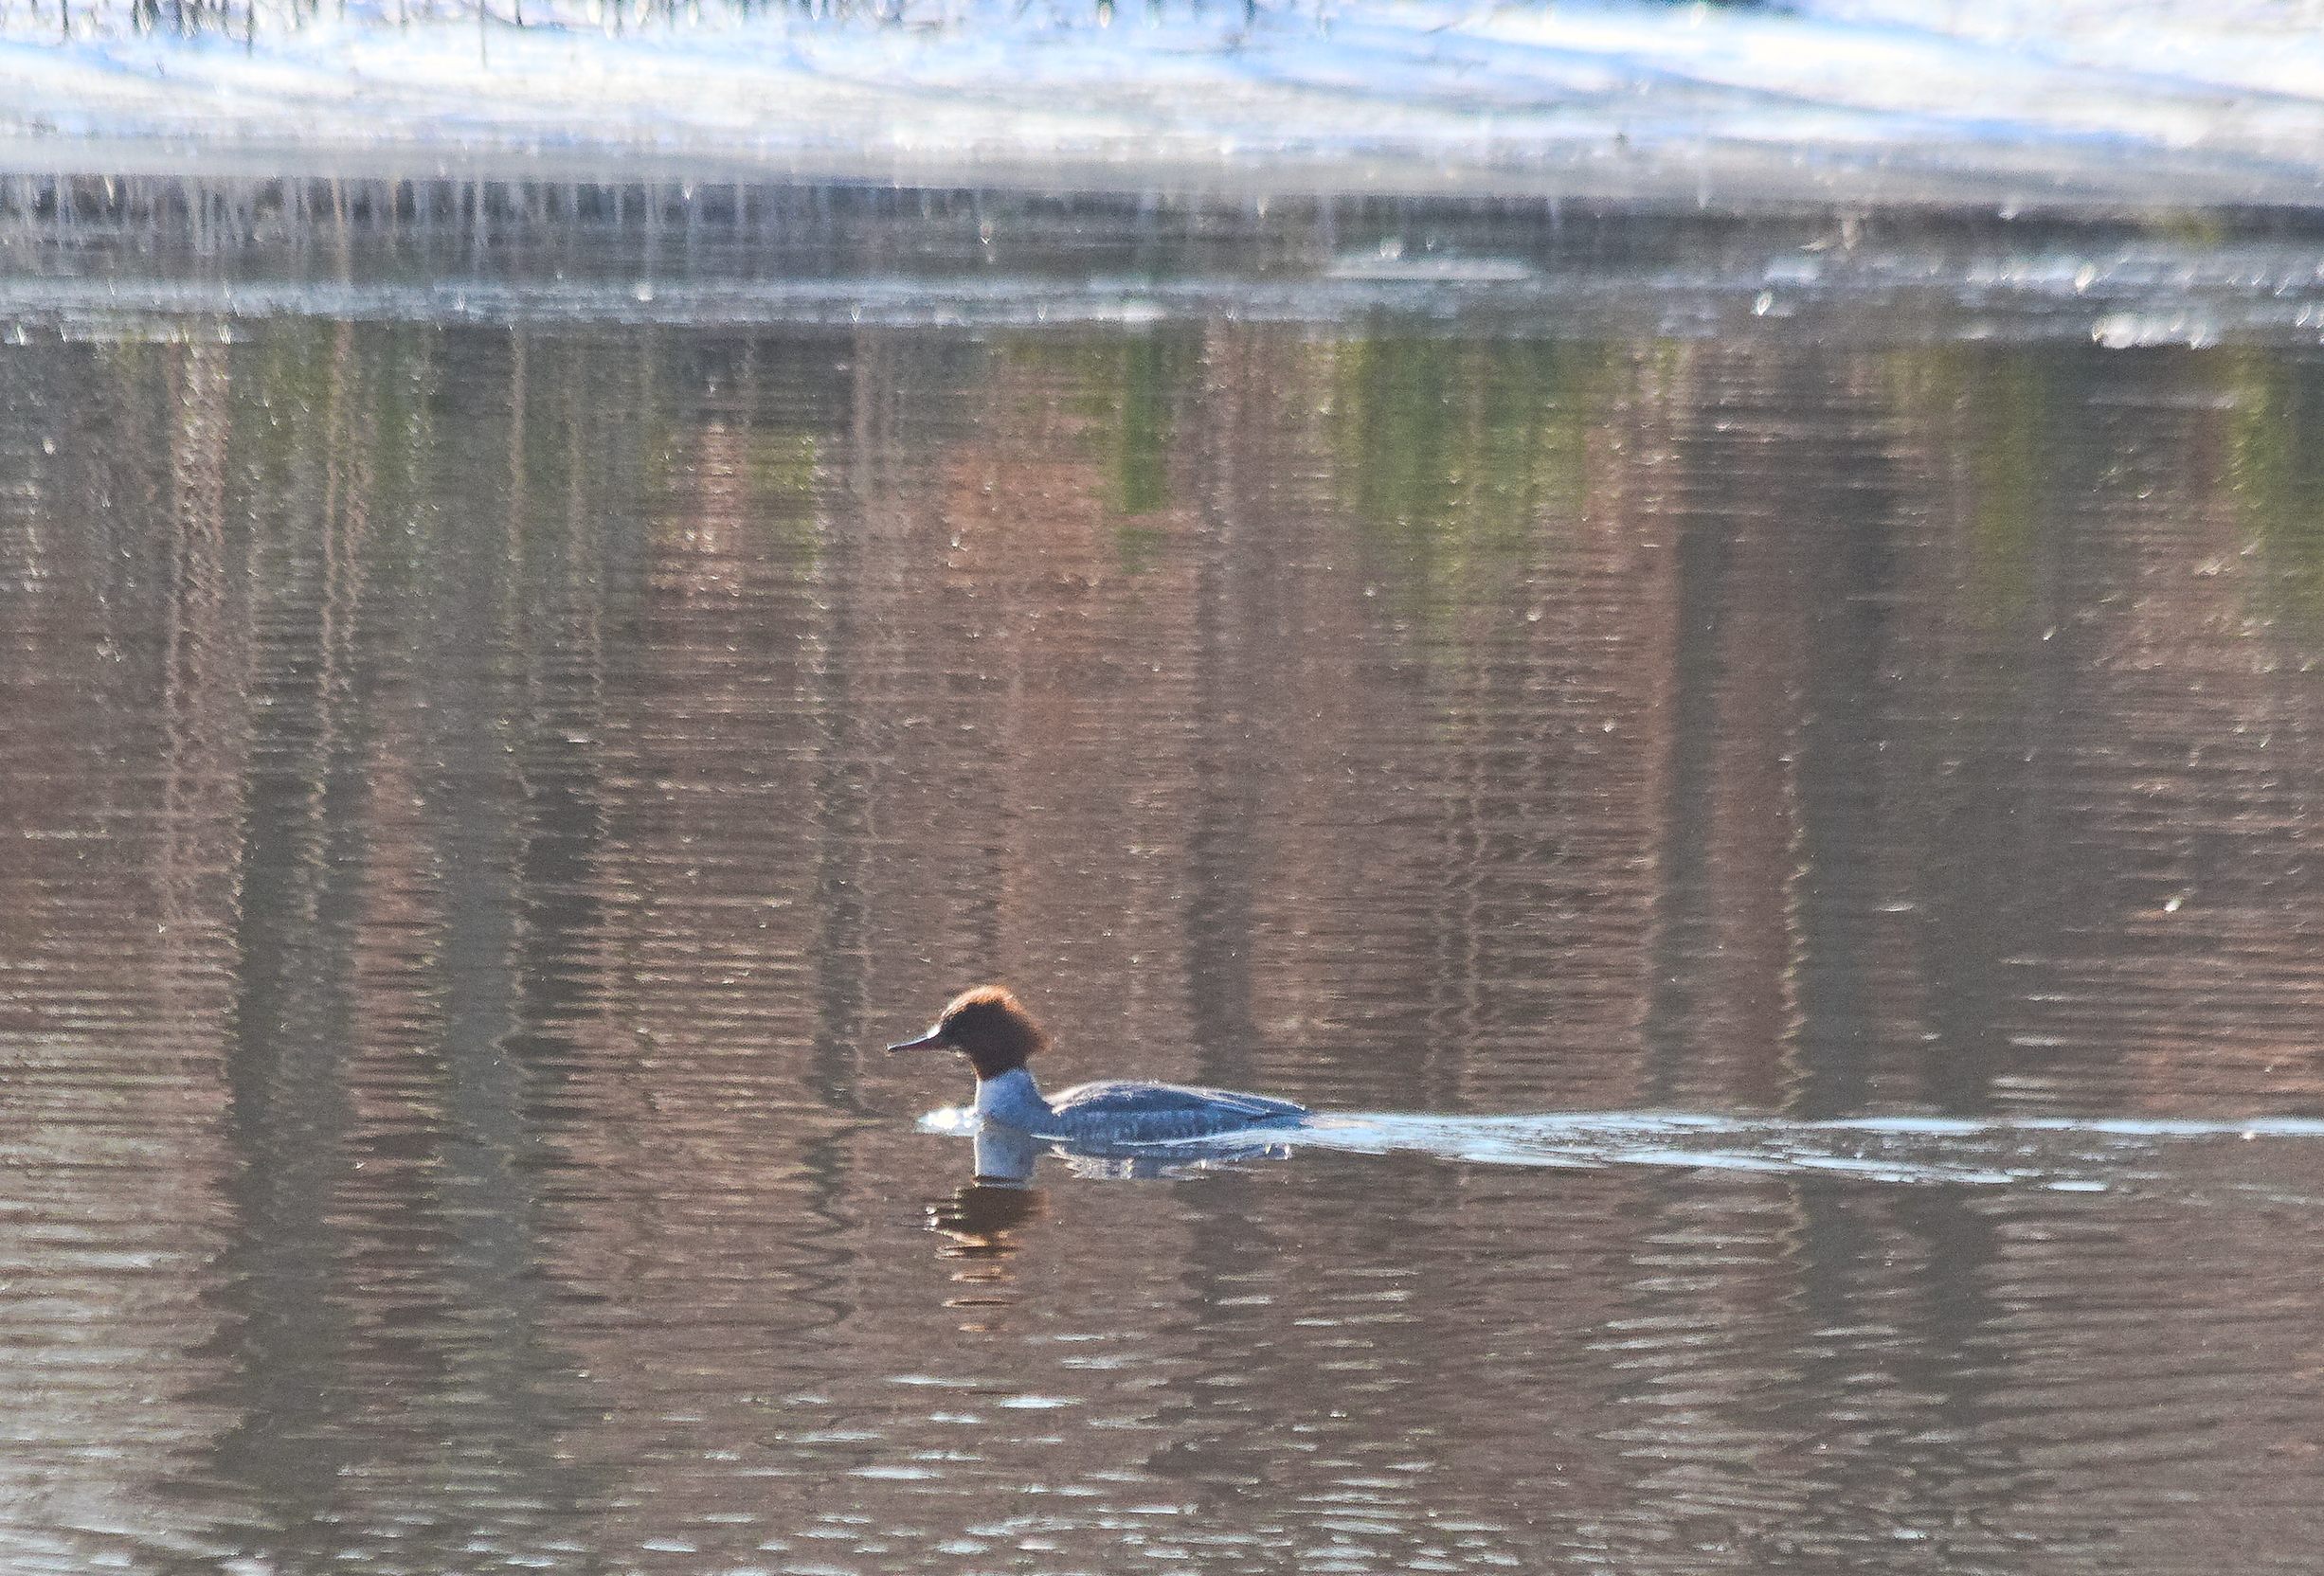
480, 792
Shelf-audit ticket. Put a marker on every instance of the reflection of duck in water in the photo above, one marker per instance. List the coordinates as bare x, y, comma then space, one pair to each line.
1006, 1156
990, 1028
980, 1216
981, 1220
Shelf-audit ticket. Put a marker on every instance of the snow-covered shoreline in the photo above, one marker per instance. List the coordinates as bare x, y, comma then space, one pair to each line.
2064, 106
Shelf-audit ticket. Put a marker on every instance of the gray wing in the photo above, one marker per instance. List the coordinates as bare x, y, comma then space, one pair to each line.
1123, 1097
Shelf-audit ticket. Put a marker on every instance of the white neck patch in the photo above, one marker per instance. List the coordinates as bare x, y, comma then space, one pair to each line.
1012, 1098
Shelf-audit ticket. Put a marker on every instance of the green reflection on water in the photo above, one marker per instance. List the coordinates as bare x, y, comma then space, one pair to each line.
1149, 370
2277, 470
1456, 451
2006, 405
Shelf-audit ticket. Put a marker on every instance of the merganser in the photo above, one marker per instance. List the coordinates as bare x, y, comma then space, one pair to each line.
992, 1028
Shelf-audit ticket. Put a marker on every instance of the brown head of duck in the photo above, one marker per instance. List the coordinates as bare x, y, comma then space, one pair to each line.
989, 1026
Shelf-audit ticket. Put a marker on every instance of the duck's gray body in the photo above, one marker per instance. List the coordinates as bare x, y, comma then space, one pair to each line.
1126, 1111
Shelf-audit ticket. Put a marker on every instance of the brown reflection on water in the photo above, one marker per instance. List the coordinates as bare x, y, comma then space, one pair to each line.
478, 801
126, 739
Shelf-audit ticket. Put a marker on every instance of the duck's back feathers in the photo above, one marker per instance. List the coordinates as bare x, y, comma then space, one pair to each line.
1122, 1104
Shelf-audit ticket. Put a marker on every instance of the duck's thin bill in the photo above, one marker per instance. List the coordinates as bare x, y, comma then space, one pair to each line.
930, 1038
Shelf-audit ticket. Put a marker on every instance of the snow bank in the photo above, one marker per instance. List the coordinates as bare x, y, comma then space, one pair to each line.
2003, 102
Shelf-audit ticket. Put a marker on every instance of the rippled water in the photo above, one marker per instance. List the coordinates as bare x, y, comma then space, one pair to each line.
1789, 848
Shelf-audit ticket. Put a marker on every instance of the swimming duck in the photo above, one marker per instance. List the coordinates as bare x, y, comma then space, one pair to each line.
992, 1028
